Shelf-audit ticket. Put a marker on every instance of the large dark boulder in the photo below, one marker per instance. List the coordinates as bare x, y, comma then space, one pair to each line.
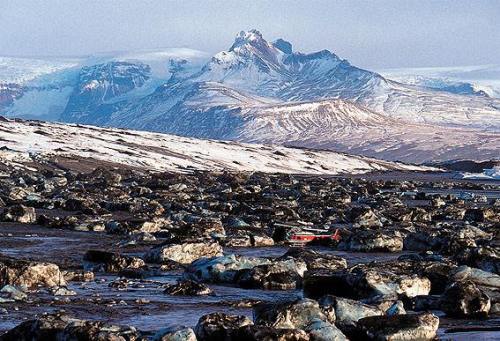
465, 299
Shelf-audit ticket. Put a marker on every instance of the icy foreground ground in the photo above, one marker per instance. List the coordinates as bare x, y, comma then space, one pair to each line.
25, 141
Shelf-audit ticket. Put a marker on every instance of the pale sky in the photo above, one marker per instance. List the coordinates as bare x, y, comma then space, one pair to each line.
370, 34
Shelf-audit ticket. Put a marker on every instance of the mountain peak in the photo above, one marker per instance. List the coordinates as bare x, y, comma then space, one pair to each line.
283, 45
247, 37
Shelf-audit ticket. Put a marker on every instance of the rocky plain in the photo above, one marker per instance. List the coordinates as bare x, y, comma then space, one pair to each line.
126, 254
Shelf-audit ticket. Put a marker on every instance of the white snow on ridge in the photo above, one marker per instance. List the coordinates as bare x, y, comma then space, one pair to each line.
25, 140
482, 77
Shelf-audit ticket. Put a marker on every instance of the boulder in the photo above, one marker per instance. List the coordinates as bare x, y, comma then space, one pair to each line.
28, 274
480, 214
348, 312
55, 327
11, 292
364, 217
261, 241
46, 328
374, 241
97, 330
297, 314
438, 274
187, 288
261, 333
19, 214
320, 330
399, 327
221, 269
183, 253
478, 276
111, 262
359, 283
315, 260
78, 276
220, 326
176, 334
486, 258
465, 299
279, 275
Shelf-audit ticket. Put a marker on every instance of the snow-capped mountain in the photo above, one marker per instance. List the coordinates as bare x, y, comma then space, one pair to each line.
274, 70
260, 91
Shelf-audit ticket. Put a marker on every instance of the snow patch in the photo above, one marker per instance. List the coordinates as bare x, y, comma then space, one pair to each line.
163, 152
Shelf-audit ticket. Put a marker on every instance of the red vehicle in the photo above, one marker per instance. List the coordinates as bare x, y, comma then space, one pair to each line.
305, 237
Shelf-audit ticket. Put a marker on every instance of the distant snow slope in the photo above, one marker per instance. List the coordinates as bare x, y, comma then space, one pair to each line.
476, 79
22, 142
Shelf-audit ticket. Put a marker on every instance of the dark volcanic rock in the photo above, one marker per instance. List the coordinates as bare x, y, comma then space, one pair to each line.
280, 275
295, 314
54, 327
361, 282
219, 326
315, 260
399, 327
111, 262
465, 299
260, 333
19, 214
188, 288
29, 274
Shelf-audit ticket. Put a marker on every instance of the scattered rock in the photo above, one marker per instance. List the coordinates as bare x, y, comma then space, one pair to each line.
184, 253
222, 269
19, 214
465, 299
188, 288
29, 274
176, 334
219, 326
296, 314
320, 330
400, 327
105, 261
347, 312
279, 275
